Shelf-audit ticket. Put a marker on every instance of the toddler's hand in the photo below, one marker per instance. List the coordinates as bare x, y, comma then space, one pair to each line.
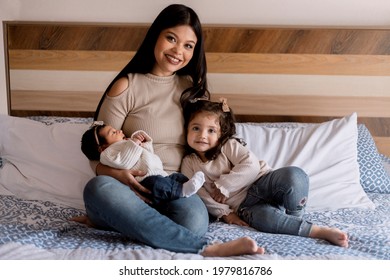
233, 218
217, 195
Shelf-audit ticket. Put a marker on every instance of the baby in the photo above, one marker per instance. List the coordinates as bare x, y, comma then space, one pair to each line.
110, 146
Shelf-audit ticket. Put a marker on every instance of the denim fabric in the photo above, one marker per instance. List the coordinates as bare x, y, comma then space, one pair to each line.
275, 202
164, 188
112, 205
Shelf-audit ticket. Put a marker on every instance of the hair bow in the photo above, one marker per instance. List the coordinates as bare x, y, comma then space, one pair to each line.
225, 106
95, 125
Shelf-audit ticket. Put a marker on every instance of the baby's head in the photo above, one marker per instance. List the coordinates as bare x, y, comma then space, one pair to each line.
208, 125
97, 138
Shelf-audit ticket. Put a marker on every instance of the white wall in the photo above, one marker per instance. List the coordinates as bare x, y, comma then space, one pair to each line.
262, 12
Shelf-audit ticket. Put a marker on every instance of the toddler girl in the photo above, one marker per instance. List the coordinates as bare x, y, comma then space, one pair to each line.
240, 189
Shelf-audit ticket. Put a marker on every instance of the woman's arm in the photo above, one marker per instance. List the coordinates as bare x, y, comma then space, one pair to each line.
126, 177
114, 111
114, 108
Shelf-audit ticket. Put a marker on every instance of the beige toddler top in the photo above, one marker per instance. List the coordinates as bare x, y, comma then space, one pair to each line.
232, 172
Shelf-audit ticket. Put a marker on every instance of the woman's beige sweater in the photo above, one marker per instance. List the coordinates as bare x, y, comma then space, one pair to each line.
151, 103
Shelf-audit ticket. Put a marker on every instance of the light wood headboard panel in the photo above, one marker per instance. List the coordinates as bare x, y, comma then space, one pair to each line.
267, 73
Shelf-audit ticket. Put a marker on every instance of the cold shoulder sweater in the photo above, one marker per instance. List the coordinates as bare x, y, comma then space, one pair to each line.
151, 103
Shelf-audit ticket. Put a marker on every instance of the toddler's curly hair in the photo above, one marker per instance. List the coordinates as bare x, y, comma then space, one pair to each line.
226, 121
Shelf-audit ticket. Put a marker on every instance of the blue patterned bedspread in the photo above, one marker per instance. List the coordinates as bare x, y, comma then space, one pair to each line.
38, 229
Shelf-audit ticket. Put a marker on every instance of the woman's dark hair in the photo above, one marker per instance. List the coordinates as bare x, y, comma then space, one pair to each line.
226, 122
91, 141
144, 59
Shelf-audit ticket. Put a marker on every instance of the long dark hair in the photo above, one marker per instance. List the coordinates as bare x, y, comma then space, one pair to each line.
144, 59
226, 121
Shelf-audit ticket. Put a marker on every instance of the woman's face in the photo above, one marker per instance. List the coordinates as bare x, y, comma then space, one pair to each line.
174, 49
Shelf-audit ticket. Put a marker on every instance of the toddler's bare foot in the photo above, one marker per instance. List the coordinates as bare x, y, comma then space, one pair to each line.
241, 246
333, 235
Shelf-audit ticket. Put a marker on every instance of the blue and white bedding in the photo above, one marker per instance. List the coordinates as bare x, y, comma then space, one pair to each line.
35, 225
41, 230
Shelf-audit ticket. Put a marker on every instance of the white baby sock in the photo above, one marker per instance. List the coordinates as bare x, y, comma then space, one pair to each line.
193, 185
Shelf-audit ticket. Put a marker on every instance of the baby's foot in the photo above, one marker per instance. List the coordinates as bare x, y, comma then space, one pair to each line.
193, 185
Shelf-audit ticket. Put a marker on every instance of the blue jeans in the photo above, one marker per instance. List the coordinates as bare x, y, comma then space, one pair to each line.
164, 188
275, 202
112, 205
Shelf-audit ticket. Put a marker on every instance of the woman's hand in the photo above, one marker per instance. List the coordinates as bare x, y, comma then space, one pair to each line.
126, 177
233, 218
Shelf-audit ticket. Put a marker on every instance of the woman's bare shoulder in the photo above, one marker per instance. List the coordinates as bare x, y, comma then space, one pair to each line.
118, 87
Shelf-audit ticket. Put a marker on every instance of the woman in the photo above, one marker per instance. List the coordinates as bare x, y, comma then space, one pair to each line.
168, 69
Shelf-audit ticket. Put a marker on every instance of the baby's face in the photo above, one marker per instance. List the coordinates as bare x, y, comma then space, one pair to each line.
111, 134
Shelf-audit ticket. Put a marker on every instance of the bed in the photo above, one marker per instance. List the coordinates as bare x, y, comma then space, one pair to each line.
313, 97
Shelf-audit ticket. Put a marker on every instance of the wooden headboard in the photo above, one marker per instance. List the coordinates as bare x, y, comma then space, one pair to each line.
267, 73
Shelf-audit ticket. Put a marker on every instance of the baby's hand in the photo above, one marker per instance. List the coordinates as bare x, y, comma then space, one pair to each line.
140, 137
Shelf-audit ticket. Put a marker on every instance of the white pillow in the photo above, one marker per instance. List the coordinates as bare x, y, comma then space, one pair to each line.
327, 152
43, 162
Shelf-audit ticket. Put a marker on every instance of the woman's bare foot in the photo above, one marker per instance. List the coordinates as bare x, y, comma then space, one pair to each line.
241, 246
333, 235
82, 220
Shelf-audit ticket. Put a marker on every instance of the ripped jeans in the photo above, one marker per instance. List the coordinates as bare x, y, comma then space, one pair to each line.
275, 202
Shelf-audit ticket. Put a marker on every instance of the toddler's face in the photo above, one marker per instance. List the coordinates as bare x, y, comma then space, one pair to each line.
203, 132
